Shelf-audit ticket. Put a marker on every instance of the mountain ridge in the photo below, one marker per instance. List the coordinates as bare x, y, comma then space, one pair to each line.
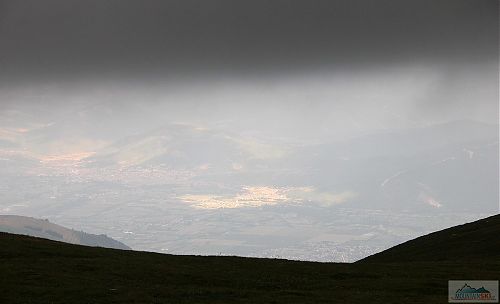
44, 229
474, 240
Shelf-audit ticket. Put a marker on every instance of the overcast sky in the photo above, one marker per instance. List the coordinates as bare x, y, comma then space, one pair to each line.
290, 66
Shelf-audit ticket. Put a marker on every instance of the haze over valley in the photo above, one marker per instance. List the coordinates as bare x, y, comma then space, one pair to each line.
319, 131
188, 189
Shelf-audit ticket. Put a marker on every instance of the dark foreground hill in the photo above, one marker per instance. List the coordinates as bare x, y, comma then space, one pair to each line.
465, 243
47, 230
36, 270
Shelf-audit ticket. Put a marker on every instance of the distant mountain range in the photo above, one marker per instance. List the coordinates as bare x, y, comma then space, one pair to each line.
424, 169
421, 169
45, 229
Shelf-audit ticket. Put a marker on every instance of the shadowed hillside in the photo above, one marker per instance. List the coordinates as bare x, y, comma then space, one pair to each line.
468, 242
42, 271
47, 230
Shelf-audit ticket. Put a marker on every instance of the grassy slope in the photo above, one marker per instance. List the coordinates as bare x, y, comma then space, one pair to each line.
468, 242
41, 271
45, 229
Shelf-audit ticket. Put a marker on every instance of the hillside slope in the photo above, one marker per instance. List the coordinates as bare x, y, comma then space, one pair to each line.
37, 270
468, 242
44, 229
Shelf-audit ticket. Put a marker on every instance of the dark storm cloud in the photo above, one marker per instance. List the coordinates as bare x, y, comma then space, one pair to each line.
44, 39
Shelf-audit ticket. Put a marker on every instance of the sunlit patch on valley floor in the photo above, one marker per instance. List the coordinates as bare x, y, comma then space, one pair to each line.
257, 196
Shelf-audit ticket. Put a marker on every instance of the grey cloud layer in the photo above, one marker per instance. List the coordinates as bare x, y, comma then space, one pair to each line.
117, 38
294, 66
